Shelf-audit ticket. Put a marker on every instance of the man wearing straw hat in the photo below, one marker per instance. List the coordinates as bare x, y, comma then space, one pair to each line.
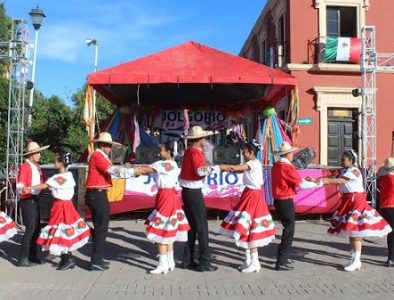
30, 174
97, 184
285, 180
193, 171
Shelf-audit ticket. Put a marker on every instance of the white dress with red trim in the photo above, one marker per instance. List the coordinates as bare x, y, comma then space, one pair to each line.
250, 222
7, 227
355, 217
167, 223
66, 230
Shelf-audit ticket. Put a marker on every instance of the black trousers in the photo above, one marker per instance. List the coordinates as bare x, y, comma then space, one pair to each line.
196, 214
97, 201
31, 219
388, 215
286, 213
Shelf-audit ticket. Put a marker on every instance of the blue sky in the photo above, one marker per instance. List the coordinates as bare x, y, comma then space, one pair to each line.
126, 30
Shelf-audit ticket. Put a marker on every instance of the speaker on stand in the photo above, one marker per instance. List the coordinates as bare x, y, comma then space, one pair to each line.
304, 157
227, 155
146, 155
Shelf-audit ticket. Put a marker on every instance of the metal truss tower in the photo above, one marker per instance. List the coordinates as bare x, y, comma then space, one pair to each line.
371, 63
16, 52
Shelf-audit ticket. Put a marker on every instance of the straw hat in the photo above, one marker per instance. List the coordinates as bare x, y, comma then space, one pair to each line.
389, 164
33, 147
197, 133
106, 138
285, 148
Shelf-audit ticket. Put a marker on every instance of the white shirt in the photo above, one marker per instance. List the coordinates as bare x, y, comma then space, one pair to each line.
355, 182
253, 178
35, 177
166, 175
62, 186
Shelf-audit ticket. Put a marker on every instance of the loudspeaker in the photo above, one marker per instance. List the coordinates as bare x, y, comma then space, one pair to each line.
119, 154
227, 155
146, 155
303, 158
46, 199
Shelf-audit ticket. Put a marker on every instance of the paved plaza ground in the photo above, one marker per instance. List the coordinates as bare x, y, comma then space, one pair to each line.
317, 275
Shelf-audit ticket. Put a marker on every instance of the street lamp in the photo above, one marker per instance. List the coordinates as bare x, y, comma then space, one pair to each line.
37, 16
89, 42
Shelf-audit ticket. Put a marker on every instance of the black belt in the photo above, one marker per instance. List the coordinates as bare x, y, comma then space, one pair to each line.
96, 190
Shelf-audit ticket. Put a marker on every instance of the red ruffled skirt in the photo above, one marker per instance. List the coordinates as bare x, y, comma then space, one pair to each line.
66, 230
167, 223
7, 227
356, 218
250, 222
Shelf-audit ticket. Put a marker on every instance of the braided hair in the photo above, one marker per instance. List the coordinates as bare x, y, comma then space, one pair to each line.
352, 155
64, 158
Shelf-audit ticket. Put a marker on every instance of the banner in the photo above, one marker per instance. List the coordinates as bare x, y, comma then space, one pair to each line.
207, 119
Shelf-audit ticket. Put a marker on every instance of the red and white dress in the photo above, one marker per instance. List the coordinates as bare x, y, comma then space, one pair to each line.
250, 222
7, 227
355, 217
66, 230
167, 223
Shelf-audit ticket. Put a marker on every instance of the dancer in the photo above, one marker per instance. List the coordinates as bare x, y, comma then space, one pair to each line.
193, 171
285, 180
167, 223
66, 230
7, 227
97, 184
354, 218
250, 222
386, 189
30, 174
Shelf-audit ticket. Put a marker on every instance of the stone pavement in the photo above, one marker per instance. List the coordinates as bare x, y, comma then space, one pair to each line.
318, 273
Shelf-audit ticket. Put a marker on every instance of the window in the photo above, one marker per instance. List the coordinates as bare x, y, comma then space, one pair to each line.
263, 52
280, 43
342, 21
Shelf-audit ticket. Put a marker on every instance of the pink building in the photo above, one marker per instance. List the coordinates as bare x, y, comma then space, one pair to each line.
291, 35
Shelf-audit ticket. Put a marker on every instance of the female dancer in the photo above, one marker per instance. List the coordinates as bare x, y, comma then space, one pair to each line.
7, 227
250, 222
66, 230
354, 218
386, 188
167, 223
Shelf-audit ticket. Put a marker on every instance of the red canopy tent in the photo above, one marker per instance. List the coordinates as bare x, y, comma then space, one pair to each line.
191, 75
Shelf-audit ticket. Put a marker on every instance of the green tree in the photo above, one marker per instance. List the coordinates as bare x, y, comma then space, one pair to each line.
5, 35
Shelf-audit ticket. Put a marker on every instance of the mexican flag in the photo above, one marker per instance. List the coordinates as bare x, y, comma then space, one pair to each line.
342, 49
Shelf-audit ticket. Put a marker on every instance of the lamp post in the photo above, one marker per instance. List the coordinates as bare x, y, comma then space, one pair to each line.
37, 16
89, 42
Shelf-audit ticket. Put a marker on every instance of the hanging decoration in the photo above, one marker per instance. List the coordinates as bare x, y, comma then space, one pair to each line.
270, 135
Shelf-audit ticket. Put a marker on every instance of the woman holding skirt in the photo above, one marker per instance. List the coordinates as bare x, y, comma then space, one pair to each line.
7, 227
249, 222
354, 218
66, 230
167, 223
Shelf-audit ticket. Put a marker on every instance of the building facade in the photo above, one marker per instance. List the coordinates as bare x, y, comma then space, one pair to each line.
291, 35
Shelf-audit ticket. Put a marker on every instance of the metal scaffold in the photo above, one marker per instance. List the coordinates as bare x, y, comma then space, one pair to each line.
15, 51
371, 63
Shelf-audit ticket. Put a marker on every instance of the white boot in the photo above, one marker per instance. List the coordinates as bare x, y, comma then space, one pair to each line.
356, 263
162, 268
352, 253
254, 264
171, 262
247, 261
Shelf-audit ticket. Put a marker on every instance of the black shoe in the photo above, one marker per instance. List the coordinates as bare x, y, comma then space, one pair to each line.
390, 263
36, 260
289, 261
69, 264
98, 267
192, 266
208, 268
285, 267
105, 263
25, 262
